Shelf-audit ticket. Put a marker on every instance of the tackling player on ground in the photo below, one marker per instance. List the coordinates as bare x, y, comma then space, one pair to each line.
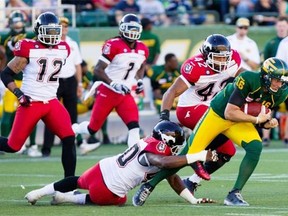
137, 164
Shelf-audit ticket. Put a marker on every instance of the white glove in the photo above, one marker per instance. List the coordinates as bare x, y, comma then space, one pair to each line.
140, 86
120, 88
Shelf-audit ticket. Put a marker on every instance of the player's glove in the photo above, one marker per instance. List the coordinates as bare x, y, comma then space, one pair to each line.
165, 115
140, 86
23, 99
122, 89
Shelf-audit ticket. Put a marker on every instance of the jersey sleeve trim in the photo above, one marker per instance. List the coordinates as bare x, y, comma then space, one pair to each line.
185, 81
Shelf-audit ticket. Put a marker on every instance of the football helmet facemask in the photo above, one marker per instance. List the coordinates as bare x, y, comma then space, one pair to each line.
47, 29
171, 134
216, 51
130, 27
17, 22
274, 68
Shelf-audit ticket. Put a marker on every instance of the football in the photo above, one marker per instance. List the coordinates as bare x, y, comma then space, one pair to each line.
254, 108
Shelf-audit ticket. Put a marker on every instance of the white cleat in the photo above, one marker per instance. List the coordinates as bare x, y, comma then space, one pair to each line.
88, 147
33, 196
33, 151
75, 128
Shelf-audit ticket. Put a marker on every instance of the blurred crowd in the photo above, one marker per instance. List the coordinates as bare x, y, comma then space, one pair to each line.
161, 77
167, 12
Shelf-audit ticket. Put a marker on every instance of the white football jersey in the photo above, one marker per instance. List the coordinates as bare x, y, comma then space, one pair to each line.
123, 62
203, 82
123, 172
41, 74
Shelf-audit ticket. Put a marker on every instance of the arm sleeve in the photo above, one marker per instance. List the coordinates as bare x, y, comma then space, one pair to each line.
236, 98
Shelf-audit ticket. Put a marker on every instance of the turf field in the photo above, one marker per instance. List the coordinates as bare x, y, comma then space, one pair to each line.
267, 190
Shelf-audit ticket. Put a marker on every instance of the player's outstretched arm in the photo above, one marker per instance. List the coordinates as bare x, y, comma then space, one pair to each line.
178, 186
170, 162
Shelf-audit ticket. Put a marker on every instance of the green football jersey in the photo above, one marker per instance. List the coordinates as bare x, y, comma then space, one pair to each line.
8, 41
160, 79
249, 84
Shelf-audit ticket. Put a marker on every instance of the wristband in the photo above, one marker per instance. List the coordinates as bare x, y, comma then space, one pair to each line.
200, 156
165, 114
80, 84
257, 120
18, 93
187, 195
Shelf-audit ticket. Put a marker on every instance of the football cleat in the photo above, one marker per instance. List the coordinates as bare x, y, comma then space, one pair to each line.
142, 194
85, 148
192, 186
234, 198
33, 196
33, 151
75, 128
200, 170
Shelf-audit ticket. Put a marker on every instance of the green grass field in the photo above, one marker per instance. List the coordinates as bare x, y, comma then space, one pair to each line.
266, 191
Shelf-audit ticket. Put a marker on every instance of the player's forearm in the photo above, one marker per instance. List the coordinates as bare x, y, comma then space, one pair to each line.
167, 100
163, 174
176, 183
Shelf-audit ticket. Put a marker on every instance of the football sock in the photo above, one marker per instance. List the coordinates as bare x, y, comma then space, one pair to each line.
47, 190
69, 156
249, 162
133, 136
66, 184
71, 198
104, 128
83, 127
195, 178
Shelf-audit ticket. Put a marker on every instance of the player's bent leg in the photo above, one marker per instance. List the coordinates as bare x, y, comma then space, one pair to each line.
5, 147
68, 155
253, 151
59, 198
192, 186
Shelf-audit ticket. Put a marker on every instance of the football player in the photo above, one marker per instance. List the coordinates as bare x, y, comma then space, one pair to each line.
17, 32
123, 60
225, 116
135, 165
202, 77
41, 61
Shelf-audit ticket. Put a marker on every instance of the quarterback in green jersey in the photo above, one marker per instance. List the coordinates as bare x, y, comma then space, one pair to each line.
225, 116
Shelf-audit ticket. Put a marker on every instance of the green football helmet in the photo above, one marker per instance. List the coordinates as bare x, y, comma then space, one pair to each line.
17, 22
274, 68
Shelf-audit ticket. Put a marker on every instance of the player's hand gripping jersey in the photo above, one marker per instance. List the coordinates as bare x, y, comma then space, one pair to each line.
40, 76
